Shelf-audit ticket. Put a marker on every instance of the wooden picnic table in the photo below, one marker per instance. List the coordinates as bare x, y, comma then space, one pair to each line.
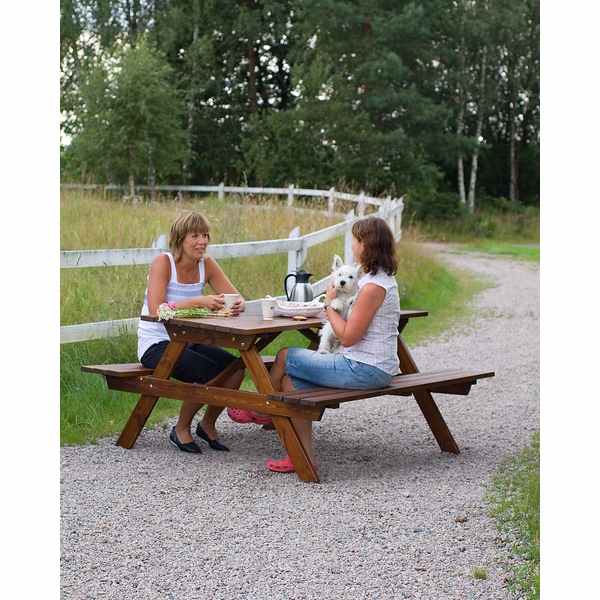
249, 334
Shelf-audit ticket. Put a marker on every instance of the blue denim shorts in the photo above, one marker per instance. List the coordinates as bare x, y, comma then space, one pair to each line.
308, 368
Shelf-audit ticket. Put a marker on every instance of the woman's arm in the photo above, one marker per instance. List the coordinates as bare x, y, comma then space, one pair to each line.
367, 302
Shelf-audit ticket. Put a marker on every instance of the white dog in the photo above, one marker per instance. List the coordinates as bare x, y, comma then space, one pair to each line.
345, 279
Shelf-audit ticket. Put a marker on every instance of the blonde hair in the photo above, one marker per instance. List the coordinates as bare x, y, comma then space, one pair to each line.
188, 221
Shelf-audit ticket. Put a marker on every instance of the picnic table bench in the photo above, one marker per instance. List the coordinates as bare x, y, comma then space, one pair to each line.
249, 334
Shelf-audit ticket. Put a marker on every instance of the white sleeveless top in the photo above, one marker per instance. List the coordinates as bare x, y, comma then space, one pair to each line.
150, 333
379, 345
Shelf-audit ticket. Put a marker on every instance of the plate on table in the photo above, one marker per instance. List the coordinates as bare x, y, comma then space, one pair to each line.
298, 309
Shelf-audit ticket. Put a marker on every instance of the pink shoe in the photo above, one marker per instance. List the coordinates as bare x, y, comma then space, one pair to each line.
237, 415
283, 466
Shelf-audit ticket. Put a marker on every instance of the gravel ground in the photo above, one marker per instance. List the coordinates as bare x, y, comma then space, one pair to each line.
393, 517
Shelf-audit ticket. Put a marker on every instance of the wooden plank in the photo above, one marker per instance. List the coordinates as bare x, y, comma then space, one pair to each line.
118, 370
204, 394
452, 380
134, 369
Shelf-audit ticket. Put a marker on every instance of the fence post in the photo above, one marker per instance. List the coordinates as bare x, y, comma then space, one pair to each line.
361, 204
348, 254
331, 201
221, 192
160, 241
291, 195
293, 254
387, 205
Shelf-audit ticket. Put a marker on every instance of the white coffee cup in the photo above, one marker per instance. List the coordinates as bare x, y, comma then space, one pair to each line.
229, 300
268, 308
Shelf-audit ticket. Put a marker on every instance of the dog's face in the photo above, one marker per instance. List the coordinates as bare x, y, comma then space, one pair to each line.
345, 277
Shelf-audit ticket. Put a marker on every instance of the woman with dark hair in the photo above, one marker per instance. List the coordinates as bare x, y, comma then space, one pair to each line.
179, 277
369, 337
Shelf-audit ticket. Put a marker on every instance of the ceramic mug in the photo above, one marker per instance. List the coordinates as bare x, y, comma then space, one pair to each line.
268, 308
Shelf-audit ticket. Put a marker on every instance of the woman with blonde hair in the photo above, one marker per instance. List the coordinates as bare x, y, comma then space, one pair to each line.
180, 277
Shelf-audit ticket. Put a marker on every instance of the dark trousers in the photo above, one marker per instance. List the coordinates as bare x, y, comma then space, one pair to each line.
199, 363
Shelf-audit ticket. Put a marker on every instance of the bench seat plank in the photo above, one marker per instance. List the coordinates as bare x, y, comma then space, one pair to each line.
119, 370
456, 381
137, 369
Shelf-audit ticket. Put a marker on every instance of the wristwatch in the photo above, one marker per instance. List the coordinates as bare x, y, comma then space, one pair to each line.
326, 304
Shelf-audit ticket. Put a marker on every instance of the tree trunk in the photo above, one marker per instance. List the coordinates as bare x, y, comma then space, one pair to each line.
133, 12
513, 192
460, 165
191, 106
131, 186
475, 156
473, 179
252, 80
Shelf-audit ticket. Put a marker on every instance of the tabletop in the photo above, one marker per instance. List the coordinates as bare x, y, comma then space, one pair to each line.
250, 321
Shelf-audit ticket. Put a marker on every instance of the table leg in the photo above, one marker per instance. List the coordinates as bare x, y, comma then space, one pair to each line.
285, 427
427, 404
146, 403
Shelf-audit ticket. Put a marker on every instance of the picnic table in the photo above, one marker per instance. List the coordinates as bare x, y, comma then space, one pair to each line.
249, 334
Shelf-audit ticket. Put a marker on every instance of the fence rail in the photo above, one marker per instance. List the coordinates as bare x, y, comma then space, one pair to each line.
295, 245
291, 192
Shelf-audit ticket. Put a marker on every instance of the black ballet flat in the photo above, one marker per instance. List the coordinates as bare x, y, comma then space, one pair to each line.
214, 444
190, 447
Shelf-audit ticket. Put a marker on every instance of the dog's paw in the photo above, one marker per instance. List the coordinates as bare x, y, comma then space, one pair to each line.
337, 304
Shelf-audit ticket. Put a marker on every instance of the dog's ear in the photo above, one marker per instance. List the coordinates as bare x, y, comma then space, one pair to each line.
337, 262
359, 270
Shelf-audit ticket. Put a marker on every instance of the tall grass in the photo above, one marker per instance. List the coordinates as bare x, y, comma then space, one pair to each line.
90, 221
93, 221
517, 226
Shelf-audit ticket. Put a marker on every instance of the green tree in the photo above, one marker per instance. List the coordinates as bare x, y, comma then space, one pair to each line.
129, 122
439, 100
516, 74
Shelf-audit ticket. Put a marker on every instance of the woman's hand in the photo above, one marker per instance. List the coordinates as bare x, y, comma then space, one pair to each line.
331, 292
238, 306
212, 302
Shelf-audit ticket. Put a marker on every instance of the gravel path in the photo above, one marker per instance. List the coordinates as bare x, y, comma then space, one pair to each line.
392, 517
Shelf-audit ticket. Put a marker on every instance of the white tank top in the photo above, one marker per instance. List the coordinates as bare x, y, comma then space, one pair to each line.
150, 333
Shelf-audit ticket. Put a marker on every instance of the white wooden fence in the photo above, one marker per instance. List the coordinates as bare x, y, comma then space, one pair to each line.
291, 192
295, 245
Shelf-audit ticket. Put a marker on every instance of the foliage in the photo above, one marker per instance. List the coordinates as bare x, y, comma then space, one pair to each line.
514, 497
129, 120
387, 97
497, 220
435, 206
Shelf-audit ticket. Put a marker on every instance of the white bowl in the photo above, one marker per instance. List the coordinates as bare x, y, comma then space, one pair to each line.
297, 309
